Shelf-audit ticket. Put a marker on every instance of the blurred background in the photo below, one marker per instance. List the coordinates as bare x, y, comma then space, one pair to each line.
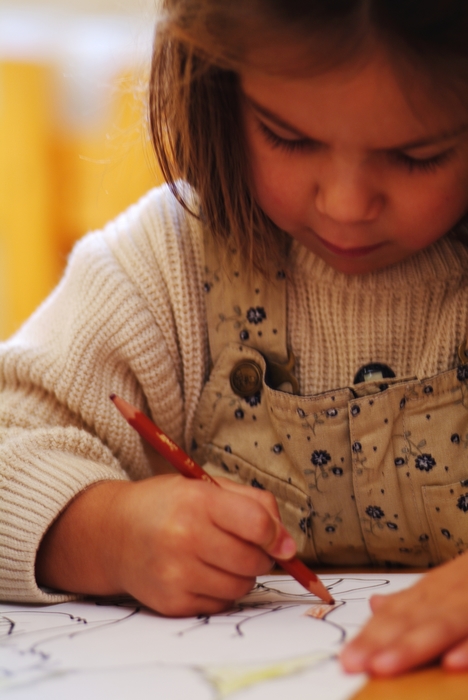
74, 146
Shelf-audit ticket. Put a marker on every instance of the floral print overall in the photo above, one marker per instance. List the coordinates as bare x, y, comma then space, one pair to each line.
373, 473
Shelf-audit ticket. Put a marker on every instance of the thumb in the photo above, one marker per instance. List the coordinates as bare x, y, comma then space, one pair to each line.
281, 546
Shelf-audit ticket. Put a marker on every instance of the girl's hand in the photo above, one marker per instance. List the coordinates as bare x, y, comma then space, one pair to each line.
189, 547
180, 546
416, 626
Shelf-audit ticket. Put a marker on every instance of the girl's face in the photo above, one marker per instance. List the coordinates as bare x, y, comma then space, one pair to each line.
350, 168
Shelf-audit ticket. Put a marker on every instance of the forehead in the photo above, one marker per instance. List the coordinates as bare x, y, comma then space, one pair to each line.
371, 98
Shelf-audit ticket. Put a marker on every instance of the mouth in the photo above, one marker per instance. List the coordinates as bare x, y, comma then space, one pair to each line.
358, 252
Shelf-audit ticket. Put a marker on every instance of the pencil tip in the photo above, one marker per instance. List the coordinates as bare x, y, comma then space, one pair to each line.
112, 397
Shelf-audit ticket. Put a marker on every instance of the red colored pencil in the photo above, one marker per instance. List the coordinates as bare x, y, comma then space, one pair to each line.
187, 467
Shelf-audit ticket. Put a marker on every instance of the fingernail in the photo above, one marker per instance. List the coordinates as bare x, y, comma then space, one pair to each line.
353, 660
456, 659
285, 547
388, 662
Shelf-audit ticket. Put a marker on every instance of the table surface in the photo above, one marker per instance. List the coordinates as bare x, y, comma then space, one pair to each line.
424, 684
427, 684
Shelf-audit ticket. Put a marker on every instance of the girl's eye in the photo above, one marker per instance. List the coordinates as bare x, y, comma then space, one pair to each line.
426, 165
289, 145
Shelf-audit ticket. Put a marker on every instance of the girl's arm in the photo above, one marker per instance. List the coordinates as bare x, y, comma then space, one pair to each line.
127, 317
181, 547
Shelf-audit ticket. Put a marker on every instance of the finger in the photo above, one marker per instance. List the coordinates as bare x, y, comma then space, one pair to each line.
393, 615
380, 633
209, 582
204, 605
236, 556
357, 655
415, 626
249, 520
188, 606
177, 589
262, 496
377, 603
419, 644
415, 648
397, 603
218, 584
457, 658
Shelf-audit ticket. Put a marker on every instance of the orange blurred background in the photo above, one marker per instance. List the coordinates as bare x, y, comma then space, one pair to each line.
74, 146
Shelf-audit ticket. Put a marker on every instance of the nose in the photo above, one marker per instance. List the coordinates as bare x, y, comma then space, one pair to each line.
348, 195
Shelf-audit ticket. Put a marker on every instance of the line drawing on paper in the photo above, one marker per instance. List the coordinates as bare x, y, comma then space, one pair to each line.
277, 634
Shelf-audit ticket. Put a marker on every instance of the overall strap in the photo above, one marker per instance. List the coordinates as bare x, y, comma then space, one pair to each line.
243, 306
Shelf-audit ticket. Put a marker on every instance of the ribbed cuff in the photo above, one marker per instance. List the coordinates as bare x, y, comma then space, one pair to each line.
41, 484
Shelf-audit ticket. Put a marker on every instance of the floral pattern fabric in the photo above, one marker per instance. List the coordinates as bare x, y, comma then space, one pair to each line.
374, 473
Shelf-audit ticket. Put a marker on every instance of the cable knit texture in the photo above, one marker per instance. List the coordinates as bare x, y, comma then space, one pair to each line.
129, 317
411, 316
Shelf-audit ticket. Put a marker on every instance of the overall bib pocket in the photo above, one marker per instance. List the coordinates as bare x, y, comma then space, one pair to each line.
294, 505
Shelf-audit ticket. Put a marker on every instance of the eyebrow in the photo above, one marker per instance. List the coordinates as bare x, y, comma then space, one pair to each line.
409, 145
271, 116
430, 140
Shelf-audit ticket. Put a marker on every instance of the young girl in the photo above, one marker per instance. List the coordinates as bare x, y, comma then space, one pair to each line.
292, 309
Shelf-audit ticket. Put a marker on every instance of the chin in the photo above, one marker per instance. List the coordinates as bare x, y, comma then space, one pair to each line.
360, 266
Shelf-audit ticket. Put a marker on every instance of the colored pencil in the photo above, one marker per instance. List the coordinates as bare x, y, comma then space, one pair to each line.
187, 467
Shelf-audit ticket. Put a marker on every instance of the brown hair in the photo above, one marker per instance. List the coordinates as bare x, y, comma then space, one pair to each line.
200, 45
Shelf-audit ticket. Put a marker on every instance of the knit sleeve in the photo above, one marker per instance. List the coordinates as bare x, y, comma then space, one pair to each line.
126, 318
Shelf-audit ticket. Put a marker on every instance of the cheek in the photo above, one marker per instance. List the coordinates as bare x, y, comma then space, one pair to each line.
279, 185
431, 211
277, 191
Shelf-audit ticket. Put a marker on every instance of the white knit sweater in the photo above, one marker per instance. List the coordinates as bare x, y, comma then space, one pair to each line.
129, 317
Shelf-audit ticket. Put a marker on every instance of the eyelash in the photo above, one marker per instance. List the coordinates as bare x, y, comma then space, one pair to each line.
290, 146
426, 165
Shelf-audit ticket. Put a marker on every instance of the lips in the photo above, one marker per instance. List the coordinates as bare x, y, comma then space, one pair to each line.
349, 252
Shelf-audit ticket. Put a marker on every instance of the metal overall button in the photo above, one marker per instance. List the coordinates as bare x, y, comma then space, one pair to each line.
280, 376
246, 378
463, 353
373, 371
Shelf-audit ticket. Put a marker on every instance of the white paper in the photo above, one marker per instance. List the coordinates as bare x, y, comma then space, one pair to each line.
278, 642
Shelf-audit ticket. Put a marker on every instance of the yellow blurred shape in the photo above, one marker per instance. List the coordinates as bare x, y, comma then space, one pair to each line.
107, 169
57, 182
28, 264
